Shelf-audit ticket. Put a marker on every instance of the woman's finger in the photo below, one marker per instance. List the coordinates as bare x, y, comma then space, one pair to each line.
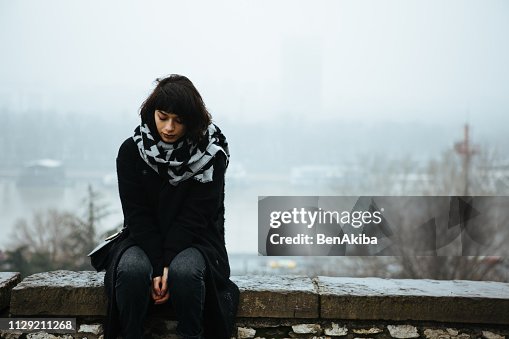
156, 282
164, 281
163, 299
155, 296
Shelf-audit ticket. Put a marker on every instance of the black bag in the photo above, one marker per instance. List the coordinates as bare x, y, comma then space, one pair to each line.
99, 255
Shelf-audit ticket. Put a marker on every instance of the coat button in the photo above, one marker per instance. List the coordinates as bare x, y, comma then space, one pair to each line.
217, 262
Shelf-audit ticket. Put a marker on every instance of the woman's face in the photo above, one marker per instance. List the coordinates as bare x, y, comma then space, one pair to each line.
169, 126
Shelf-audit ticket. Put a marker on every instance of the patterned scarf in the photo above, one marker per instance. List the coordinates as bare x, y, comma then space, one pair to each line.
183, 159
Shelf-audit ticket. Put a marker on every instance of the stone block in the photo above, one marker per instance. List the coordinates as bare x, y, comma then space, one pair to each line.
430, 333
372, 330
7, 282
91, 328
403, 331
44, 335
491, 335
281, 296
245, 332
452, 331
60, 293
10, 334
335, 330
307, 328
409, 299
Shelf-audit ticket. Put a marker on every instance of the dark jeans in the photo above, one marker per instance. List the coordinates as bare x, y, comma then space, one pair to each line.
186, 284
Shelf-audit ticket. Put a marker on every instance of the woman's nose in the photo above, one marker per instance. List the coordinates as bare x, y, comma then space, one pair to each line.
170, 126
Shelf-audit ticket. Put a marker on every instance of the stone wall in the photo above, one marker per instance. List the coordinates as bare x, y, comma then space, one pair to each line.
285, 307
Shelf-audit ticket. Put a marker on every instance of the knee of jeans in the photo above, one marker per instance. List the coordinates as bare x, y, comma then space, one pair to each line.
187, 266
135, 266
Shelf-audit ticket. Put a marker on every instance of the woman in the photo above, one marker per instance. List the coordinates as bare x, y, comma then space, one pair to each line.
171, 186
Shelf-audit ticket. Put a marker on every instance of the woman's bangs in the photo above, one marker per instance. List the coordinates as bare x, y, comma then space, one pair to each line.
165, 103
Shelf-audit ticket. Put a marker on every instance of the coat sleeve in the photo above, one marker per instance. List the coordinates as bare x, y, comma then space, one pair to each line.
138, 215
199, 210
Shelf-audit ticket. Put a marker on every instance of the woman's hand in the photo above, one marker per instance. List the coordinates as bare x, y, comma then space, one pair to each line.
160, 292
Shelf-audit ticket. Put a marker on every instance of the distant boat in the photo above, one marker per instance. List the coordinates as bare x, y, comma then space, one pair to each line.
42, 172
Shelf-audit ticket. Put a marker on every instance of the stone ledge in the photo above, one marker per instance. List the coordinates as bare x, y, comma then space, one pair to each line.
409, 299
60, 293
69, 293
280, 296
7, 282
82, 294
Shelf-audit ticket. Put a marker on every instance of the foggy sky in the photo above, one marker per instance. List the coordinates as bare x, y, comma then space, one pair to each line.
260, 60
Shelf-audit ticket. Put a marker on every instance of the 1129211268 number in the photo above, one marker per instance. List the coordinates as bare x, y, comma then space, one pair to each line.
53, 325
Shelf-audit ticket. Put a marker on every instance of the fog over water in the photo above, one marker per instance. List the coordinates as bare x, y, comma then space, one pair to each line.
329, 84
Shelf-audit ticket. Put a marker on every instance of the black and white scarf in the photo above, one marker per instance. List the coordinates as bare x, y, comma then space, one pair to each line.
183, 159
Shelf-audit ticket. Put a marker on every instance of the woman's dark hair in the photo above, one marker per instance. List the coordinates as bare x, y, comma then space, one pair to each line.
176, 94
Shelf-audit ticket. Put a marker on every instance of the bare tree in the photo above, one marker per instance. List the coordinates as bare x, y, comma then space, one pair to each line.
56, 239
444, 177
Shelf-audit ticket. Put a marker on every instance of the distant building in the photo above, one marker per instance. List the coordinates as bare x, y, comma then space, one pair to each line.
42, 172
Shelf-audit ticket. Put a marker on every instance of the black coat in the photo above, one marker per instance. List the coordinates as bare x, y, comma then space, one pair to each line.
164, 220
